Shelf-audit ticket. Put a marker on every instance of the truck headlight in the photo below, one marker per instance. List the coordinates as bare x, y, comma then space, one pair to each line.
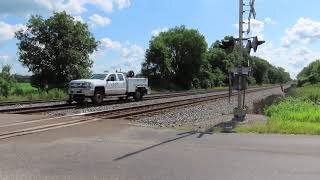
88, 85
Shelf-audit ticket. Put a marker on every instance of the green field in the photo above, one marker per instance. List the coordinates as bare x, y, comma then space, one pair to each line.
299, 113
25, 92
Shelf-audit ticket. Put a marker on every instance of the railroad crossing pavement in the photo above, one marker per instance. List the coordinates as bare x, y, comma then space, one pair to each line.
115, 150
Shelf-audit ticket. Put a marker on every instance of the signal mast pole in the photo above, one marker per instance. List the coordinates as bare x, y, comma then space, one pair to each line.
242, 72
238, 76
240, 91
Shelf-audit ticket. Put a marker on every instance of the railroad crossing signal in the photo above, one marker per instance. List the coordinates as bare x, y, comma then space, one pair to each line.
240, 74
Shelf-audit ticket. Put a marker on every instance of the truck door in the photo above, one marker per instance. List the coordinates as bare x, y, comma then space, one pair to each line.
122, 89
111, 84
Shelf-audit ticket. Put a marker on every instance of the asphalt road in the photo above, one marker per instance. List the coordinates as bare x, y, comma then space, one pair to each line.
115, 150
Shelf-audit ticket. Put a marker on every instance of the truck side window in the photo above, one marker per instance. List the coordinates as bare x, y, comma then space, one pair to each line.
120, 77
112, 77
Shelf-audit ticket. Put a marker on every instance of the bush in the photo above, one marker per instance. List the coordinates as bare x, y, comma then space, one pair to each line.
205, 84
196, 83
18, 91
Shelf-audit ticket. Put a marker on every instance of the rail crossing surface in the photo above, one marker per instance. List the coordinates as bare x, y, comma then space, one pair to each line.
116, 150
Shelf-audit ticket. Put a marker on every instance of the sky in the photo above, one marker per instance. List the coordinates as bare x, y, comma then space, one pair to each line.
291, 28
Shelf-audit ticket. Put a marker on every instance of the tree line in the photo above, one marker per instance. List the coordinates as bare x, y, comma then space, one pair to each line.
180, 58
57, 50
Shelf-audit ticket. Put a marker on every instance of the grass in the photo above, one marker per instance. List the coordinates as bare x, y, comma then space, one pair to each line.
311, 93
297, 114
26, 87
25, 92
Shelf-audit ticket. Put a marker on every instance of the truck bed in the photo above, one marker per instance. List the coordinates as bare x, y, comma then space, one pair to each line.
133, 83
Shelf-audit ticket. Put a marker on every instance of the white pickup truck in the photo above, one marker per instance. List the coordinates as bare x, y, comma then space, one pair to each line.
109, 84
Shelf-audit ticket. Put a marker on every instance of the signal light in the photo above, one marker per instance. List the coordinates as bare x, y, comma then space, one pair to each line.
253, 44
256, 43
227, 44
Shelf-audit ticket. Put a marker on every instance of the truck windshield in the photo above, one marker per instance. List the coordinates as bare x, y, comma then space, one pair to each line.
99, 76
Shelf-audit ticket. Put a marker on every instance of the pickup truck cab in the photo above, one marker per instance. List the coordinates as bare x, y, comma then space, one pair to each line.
100, 86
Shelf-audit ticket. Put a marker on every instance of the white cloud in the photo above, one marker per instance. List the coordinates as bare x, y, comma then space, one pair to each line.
78, 18
7, 31
97, 20
256, 27
292, 59
71, 6
157, 31
75, 7
106, 5
269, 20
108, 43
121, 4
131, 55
305, 31
16, 66
131, 52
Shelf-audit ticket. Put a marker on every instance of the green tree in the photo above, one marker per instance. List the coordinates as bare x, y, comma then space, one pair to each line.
260, 70
7, 81
217, 57
219, 77
175, 56
56, 49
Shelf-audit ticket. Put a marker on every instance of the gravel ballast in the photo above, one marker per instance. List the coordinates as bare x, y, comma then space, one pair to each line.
207, 115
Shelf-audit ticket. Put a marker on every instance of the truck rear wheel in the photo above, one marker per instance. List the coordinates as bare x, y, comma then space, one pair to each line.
138, 95
97, 98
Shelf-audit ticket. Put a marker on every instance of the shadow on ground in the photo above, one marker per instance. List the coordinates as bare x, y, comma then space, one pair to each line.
181, 136
223, 127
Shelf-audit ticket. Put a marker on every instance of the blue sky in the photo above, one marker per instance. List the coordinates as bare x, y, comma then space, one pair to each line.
124, 27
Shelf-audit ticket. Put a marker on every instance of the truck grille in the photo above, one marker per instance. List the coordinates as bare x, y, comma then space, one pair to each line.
77, 85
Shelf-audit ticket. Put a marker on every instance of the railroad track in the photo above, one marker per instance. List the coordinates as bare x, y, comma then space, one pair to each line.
56, 107
36, 126
14, 103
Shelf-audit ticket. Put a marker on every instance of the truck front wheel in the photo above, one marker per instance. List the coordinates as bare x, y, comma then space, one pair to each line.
70, 100
80, 100
97, 98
